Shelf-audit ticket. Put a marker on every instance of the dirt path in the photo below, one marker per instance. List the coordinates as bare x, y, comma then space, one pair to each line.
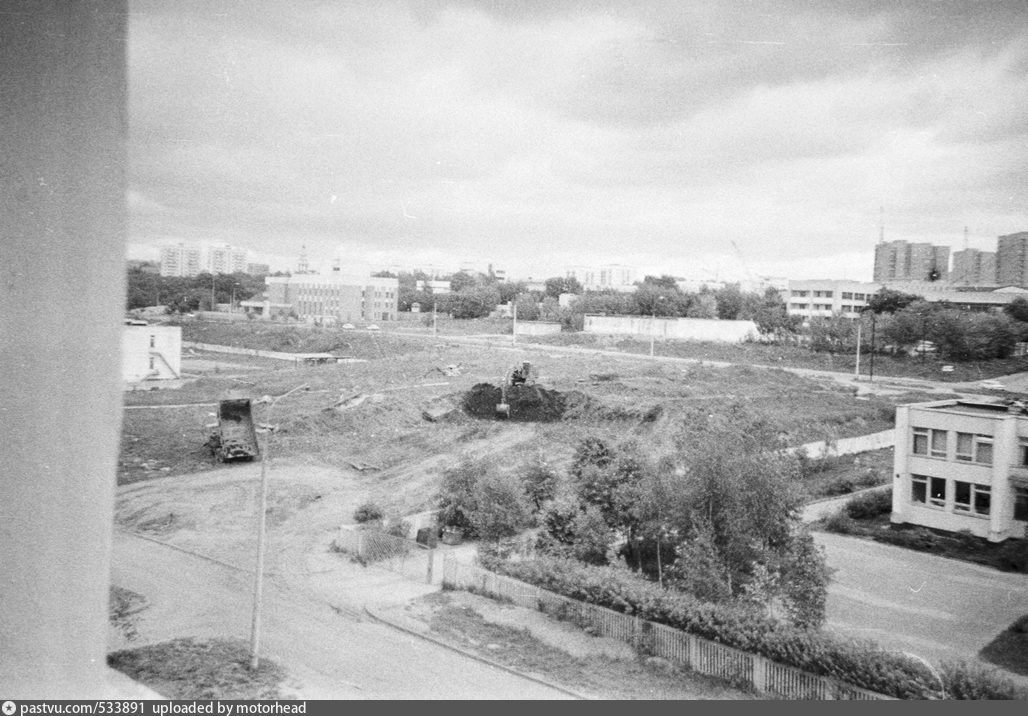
328, 654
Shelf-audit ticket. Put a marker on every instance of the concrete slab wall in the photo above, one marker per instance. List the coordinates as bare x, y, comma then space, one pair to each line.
684, 329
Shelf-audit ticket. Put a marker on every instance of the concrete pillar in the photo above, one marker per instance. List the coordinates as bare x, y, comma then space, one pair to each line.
901, 466
1005, 448
62, 288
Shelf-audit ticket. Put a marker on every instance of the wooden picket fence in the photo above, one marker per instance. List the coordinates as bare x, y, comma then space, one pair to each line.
696, 653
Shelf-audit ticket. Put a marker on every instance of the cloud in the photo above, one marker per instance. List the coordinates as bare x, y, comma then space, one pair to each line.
571, 131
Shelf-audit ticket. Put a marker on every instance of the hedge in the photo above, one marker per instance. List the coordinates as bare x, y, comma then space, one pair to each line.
861, 663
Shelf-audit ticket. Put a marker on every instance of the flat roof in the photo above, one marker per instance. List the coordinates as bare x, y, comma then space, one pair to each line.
967, 407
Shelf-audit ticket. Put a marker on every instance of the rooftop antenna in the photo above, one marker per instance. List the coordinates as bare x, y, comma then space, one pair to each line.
965, 238
881, 225
302, 265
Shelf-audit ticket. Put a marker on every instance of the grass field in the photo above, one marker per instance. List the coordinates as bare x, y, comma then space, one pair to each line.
200, 669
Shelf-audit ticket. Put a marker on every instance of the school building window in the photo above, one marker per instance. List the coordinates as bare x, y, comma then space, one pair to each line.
931, 442
970, 498
1021, 504
974, 448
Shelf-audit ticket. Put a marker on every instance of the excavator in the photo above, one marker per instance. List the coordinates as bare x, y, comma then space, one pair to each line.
515, 376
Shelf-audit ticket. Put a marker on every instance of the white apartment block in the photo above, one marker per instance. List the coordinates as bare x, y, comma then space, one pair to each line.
151, 353
607, 277
181, 260
962, 465
226, 259
812, 298
435, 286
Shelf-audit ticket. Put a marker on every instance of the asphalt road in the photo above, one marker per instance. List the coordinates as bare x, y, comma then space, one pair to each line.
937, 608
329, 653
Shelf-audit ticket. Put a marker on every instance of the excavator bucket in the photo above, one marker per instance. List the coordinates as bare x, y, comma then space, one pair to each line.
503, 409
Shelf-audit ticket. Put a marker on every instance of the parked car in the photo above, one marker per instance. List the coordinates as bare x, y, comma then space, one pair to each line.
374, 327
991, 385
348, 326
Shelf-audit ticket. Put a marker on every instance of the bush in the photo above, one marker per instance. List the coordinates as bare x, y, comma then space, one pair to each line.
841, 523
860, 663
368, 512
869, 505
965, 681
1013, 556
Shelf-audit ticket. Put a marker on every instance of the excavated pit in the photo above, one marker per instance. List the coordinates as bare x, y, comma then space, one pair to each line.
528, 403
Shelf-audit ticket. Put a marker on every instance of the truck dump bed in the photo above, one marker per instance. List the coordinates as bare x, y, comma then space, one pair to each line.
235, 438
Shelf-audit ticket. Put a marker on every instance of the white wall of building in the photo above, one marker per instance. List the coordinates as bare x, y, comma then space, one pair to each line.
151, 353
687, 329
935, 458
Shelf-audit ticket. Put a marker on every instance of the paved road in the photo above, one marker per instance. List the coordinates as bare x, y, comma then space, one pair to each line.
938, 608
329, 652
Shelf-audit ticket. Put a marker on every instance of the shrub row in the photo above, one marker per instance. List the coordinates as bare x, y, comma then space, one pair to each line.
861, 663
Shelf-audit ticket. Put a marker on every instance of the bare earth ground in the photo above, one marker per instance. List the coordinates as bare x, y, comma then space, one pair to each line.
358, 434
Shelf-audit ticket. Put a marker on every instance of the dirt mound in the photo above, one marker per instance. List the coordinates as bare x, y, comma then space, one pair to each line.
528, 403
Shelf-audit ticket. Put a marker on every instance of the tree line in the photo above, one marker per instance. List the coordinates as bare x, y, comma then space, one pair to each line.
179, 294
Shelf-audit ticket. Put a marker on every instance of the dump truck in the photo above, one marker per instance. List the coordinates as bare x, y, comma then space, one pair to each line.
234, 437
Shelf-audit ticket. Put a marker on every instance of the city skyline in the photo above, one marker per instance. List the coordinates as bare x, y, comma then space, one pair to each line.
658, 134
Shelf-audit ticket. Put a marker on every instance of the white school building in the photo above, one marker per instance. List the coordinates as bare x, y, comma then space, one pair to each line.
962, 465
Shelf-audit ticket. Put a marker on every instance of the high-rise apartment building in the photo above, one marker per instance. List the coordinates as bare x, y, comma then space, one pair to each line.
972, 267
226, 259
608, 277
180, 260
906, 261
1012, 259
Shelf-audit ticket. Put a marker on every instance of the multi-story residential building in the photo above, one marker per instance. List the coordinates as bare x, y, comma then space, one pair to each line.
614, 277
1012, 259
226, 259
962, 465
180, 260
256, 269
335, 296
437, 287
972, 267
905, 261
826, 297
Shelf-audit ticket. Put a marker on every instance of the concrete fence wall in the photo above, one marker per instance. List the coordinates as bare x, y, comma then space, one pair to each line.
536, 328
848, 446
687, 329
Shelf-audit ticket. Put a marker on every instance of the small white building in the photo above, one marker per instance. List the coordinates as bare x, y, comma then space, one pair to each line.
151, 353
962, 465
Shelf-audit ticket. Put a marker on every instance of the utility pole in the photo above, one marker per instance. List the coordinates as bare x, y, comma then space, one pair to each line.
258, 582
514, 329
871, 374
860, 323
212, 291
433, 319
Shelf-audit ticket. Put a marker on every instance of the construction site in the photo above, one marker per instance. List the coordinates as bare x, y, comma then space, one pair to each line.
382, 421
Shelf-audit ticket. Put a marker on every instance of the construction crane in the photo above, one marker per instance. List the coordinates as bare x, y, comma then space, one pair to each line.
742, 260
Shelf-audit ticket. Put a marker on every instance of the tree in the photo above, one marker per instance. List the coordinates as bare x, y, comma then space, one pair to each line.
500, 507
1017, 309
772, 317
889, 300
464, 280
540, 481
729, 302
474, 302
803, 582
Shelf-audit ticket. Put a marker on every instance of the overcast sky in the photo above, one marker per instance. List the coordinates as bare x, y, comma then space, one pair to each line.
539, 134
